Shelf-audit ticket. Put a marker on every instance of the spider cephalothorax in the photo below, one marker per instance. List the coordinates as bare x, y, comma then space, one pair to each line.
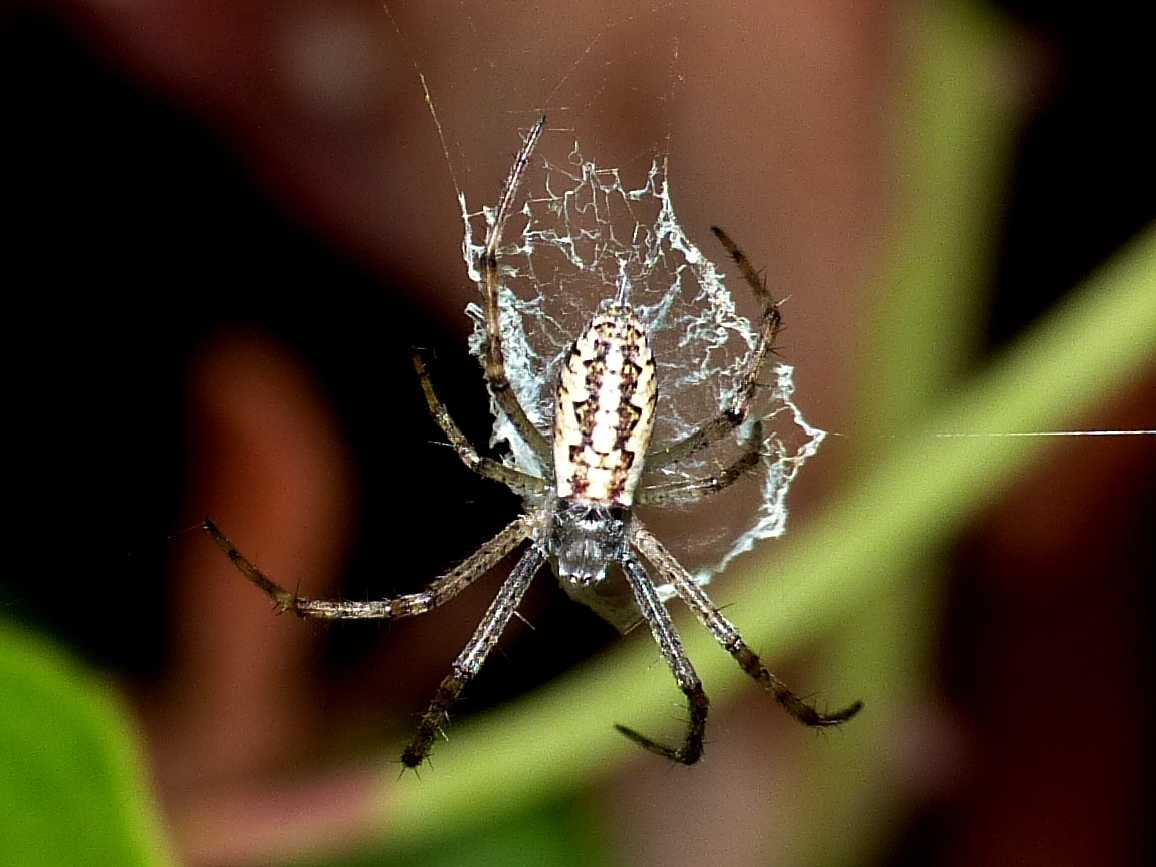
585, 538
581, 516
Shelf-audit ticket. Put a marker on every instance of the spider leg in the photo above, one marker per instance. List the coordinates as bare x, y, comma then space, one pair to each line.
518, 482
495, 361
471, 658
441, 590
697, 489
733, 415
670, 644
727, 635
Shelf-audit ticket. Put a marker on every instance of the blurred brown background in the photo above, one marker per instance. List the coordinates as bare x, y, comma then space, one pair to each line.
228, 223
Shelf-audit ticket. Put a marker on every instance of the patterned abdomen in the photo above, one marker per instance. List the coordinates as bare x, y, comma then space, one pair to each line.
604, 412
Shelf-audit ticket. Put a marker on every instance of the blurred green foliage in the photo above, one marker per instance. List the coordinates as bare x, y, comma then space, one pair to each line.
554, 833
72, 783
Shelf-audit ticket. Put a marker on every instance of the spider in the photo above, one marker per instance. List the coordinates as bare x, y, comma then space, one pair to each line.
580, 517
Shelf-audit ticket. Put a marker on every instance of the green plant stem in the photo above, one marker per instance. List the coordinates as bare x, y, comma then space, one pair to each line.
956, 130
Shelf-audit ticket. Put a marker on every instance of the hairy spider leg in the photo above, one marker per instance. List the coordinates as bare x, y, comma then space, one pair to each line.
466, 666
670, 644
516, 481
735, 414
440, 590
727, 635
495, 367
692, 490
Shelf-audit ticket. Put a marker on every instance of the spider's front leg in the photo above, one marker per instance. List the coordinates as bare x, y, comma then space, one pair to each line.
470, 660
727, 635
670, 644
440, 591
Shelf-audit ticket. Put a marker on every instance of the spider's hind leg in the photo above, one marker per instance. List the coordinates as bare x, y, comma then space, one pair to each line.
687, 492
735, 414
518, 482
495, 359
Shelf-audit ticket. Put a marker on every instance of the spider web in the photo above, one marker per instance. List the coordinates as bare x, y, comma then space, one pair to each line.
585, 235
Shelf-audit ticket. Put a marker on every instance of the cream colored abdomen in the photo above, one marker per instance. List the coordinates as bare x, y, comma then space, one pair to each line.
604, 413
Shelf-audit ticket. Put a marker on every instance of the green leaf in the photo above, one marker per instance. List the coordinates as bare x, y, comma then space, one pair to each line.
72, 783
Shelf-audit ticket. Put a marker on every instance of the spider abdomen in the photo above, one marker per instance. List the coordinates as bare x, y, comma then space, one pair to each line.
604, 412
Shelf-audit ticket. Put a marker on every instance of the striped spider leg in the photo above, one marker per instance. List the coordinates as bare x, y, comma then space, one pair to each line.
735, 414
670, 645
692, 594
440, 591
520, 483
689, 491
495, 362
